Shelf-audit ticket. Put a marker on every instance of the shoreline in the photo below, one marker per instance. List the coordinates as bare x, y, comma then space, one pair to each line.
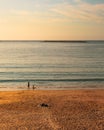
19, 89
52, 109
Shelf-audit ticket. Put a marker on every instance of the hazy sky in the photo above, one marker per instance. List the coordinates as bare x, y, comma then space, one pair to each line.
51, 19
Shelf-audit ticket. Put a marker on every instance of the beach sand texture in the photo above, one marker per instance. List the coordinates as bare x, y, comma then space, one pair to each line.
65, 110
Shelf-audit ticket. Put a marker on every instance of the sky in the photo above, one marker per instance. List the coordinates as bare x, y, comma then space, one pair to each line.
51, 19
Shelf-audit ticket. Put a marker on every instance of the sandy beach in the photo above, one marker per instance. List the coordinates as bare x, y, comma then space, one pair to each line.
52, 110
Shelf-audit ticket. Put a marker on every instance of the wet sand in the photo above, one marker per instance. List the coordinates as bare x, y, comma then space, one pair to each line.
64, 110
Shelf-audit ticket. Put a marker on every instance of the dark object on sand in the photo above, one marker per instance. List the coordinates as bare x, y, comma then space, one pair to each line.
44, 105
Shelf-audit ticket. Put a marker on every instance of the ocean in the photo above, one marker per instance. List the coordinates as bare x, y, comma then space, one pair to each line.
51, 65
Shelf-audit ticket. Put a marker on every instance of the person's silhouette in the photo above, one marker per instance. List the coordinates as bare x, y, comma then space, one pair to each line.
28, 85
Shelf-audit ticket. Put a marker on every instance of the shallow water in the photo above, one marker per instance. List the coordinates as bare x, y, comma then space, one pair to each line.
51, 65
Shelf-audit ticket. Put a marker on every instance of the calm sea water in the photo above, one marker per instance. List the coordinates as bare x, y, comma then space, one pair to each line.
51, 65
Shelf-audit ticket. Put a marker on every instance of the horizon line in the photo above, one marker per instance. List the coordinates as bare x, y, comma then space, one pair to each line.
48, 40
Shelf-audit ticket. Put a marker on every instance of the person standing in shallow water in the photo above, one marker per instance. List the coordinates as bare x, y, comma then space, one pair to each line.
33, 87
28, 85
